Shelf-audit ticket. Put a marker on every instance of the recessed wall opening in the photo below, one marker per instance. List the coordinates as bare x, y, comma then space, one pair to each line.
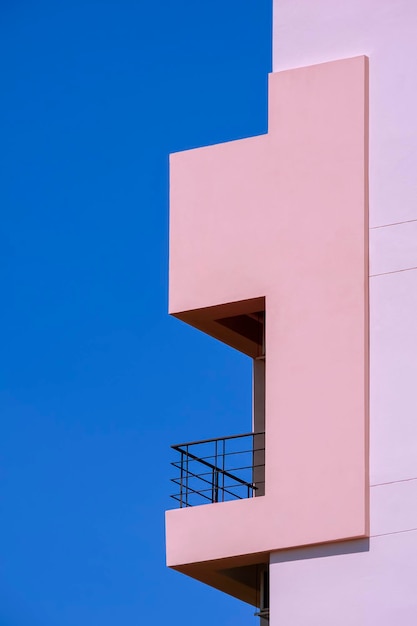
255, 578
230, 467
251, 326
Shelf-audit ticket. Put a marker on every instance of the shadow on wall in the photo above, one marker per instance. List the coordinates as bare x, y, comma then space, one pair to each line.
316, 552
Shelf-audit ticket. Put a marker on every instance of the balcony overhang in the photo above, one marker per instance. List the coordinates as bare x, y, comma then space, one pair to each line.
230, 323
282, 219
238, 576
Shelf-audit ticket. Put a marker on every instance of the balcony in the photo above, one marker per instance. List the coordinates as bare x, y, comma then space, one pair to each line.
244, 266
219, 470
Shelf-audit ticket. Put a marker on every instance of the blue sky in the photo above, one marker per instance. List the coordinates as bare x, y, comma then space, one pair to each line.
96, 381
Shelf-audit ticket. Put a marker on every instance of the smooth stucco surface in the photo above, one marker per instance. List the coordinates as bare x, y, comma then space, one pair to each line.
284, 216
357, 589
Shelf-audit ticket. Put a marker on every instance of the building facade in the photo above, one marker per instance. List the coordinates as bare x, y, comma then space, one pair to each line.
299, 248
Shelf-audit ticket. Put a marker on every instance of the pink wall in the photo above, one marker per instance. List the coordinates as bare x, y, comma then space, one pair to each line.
357, 589
376, 586
285, 216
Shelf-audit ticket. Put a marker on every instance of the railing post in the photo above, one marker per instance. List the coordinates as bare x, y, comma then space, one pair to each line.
216, 473
215, 490
181, 478
223, 466
186, 478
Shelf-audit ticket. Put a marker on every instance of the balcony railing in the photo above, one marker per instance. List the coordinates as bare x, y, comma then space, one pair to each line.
219, 470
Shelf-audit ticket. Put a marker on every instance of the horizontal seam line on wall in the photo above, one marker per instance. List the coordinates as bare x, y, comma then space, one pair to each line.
393, 482
393, 224
395, 532
407, 269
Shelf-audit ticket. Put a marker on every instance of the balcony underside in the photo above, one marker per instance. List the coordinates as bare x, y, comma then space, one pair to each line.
238, 324
237, 576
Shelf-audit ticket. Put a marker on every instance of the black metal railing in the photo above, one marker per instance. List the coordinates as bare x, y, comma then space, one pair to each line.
219, 470
263, 614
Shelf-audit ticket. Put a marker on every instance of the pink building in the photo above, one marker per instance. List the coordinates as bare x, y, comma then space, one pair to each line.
299, 248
